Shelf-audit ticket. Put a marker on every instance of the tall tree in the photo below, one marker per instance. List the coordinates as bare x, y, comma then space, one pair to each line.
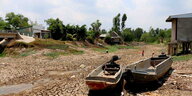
124, 18
161, 36
116, 24
96, 28
81, 33
16, 20
127, 35
57, 28
138, 33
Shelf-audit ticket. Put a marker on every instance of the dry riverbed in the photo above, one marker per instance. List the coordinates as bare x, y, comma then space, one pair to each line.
39, 75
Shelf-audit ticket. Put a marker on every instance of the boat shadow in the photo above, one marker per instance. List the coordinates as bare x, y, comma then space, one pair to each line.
108, 92
134, 89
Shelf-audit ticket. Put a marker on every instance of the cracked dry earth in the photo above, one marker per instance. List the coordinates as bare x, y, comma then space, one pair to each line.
38, 75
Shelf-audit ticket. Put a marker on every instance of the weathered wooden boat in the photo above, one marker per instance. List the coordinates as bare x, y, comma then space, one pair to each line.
148, 70
105, 76
100, 79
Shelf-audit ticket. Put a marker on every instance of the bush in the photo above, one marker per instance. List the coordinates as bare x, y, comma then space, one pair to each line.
90, 39
69, 37
127, 35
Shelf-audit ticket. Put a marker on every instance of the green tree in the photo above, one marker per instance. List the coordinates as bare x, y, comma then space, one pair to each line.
116, 24
124, 18
138, 33
145, 37
57, 29
16, 20
2, 24
103, 31
96, 28
127, 35
81, 32
161, 35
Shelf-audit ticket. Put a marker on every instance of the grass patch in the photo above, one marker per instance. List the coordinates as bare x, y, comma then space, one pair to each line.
182, 57
62, 47
49, 44
53, 54
113, 48
27, 53
42, 42
56, 54
2, 55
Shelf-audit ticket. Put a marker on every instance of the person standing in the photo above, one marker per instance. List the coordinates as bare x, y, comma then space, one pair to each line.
142, 53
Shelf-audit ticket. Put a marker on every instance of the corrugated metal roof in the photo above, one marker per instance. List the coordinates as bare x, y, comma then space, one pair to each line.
170, 18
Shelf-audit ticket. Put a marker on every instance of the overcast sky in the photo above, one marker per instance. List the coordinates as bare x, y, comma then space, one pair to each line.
140, 13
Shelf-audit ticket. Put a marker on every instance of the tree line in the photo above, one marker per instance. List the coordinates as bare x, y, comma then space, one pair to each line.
59, 31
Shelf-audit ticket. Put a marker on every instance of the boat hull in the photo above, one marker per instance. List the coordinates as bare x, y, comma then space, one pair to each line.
99, 85
97, 80
145, 75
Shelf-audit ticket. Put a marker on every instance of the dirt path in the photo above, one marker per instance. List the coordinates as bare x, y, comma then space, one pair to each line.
64, 76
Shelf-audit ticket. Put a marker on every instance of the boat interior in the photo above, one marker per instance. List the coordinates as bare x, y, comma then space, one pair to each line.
147, 65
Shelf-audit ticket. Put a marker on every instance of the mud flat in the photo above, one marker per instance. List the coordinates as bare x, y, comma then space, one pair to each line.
8, 89
64, 76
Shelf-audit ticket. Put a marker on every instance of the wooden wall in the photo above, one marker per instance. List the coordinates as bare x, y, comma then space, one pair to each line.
174, 29
184, 29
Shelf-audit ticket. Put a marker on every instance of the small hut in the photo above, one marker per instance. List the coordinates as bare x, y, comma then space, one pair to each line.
181, 33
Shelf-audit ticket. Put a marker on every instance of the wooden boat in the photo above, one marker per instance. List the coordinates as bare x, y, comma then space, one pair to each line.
148, 70
100, 79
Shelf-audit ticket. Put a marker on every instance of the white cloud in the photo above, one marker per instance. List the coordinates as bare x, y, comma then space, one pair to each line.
110, 5
140, 13
69, 11
188, 3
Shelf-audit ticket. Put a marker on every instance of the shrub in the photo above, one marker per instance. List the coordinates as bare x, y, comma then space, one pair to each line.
70, 37
90, 39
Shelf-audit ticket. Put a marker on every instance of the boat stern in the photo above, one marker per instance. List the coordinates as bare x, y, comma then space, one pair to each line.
98, 85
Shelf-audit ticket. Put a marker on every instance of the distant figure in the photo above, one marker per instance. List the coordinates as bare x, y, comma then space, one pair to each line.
142, 53
107, 51
153, 54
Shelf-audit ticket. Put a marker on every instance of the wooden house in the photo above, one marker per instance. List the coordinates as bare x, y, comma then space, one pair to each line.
181, 33
115, 38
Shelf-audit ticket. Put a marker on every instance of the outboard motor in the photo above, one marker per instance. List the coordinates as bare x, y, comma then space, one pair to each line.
163, 55
111, 67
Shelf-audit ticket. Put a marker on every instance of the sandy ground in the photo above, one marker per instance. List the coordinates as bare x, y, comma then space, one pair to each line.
65, 75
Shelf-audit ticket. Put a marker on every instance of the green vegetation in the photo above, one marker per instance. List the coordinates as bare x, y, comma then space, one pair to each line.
113, 48
182, 57
56, 46
53, 54
56, 54
62, 32
27, 53
31, 48
13, 21
96, 29
59, 31
2, 55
